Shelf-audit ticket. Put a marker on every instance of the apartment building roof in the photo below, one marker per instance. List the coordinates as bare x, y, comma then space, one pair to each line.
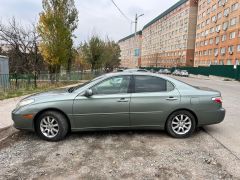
130, 36
165, 13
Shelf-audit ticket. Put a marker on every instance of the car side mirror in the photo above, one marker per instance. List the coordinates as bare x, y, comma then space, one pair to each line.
88, 93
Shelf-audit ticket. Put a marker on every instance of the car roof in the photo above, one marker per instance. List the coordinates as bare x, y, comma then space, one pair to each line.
139, 73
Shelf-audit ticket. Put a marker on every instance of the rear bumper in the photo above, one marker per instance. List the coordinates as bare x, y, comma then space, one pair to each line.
211, 117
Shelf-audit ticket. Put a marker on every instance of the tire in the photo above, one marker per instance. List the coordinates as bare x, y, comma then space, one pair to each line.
183, 128
52, 126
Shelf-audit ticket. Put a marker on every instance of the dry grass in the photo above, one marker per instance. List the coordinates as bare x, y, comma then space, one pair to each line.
41, 86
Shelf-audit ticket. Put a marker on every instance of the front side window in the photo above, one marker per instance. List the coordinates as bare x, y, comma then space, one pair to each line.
113, 85
151, 84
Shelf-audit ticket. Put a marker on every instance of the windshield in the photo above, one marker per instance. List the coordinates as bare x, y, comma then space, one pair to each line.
71, 89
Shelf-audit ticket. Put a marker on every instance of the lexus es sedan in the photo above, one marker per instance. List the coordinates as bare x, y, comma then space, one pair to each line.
117, 101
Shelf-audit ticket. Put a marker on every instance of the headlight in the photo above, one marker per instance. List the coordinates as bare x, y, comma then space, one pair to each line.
25, 102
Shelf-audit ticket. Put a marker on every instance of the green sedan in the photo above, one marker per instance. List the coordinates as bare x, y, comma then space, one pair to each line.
117, 101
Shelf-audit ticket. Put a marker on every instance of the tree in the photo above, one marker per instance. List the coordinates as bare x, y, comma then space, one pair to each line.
112, 56
23, 53
56, 25
80, 62
93, 52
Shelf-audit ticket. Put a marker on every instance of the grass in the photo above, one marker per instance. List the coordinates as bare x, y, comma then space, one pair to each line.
41, 87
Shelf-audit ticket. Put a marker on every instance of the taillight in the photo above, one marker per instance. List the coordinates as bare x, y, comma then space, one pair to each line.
217, 100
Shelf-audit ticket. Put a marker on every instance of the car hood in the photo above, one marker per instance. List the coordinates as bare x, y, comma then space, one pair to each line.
50, 95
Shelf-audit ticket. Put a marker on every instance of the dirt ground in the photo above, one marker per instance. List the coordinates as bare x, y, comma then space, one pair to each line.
116, 155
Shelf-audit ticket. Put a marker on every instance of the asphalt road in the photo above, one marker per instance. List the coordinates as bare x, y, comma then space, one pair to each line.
116, 155
227, 132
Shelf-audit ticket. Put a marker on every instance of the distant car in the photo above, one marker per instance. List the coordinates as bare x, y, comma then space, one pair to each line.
184, 73
166, 71
135, 70
120, 70
122, 100
176, 72
160, 71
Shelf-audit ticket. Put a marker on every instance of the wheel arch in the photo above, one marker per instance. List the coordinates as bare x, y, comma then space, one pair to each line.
51, 109
183, 109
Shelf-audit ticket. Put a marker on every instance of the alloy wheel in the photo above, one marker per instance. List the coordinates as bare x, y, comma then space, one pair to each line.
49, 126
181, 124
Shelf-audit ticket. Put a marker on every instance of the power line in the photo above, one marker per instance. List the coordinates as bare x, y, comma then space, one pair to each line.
123, 14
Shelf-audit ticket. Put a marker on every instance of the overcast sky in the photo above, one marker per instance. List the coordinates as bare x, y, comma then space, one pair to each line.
95, 16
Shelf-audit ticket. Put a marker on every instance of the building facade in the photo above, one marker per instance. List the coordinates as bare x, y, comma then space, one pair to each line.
218, 33
131, 50
166, 41
169, 39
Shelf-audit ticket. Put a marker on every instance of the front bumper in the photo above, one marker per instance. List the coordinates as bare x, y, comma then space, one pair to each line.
20, 122
211, 117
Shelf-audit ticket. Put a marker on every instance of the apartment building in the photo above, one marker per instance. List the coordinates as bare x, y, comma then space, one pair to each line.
131, 50
168, 40
218, 33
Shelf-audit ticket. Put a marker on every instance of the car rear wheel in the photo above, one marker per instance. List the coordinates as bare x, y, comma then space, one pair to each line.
181, 124
52, 126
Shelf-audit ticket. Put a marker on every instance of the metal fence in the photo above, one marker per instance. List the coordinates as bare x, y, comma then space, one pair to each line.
228, 71
24, 81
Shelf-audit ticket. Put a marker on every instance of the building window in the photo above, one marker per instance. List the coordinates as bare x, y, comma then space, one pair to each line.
234, 7
218, 28
223, 51
214, 7
214, 19
212, 30
231, 49
210, 52
211, 41
219, 3
216, 52
237, 62
238, 48
217, 40
224, 37
233, 21
226, 12
232, 35
208, 21
208, 11
225, 25
219, 15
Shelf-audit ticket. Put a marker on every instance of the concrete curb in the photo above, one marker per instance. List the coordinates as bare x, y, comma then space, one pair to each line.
7, 132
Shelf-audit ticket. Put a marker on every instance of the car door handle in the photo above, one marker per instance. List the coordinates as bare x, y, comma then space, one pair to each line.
171, 98
122, 100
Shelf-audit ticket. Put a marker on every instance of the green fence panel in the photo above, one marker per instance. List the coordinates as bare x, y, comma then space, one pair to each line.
228, 71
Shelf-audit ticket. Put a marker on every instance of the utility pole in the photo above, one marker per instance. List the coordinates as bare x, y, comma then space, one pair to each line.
136, 22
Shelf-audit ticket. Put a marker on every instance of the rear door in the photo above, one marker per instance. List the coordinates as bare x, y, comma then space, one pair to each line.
152, 100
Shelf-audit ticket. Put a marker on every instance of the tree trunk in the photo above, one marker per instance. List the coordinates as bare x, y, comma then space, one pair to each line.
69, 64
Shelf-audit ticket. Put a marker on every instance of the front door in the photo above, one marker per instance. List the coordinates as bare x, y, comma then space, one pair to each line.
107, 107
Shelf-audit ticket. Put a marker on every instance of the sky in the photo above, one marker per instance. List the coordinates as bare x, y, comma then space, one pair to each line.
99, 17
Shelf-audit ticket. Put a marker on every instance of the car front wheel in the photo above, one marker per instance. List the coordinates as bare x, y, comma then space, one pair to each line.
181, 124
52, 126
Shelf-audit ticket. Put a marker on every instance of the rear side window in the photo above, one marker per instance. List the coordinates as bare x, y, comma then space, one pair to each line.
151, 84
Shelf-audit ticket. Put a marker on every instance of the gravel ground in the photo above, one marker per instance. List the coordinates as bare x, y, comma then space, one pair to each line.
116, 155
